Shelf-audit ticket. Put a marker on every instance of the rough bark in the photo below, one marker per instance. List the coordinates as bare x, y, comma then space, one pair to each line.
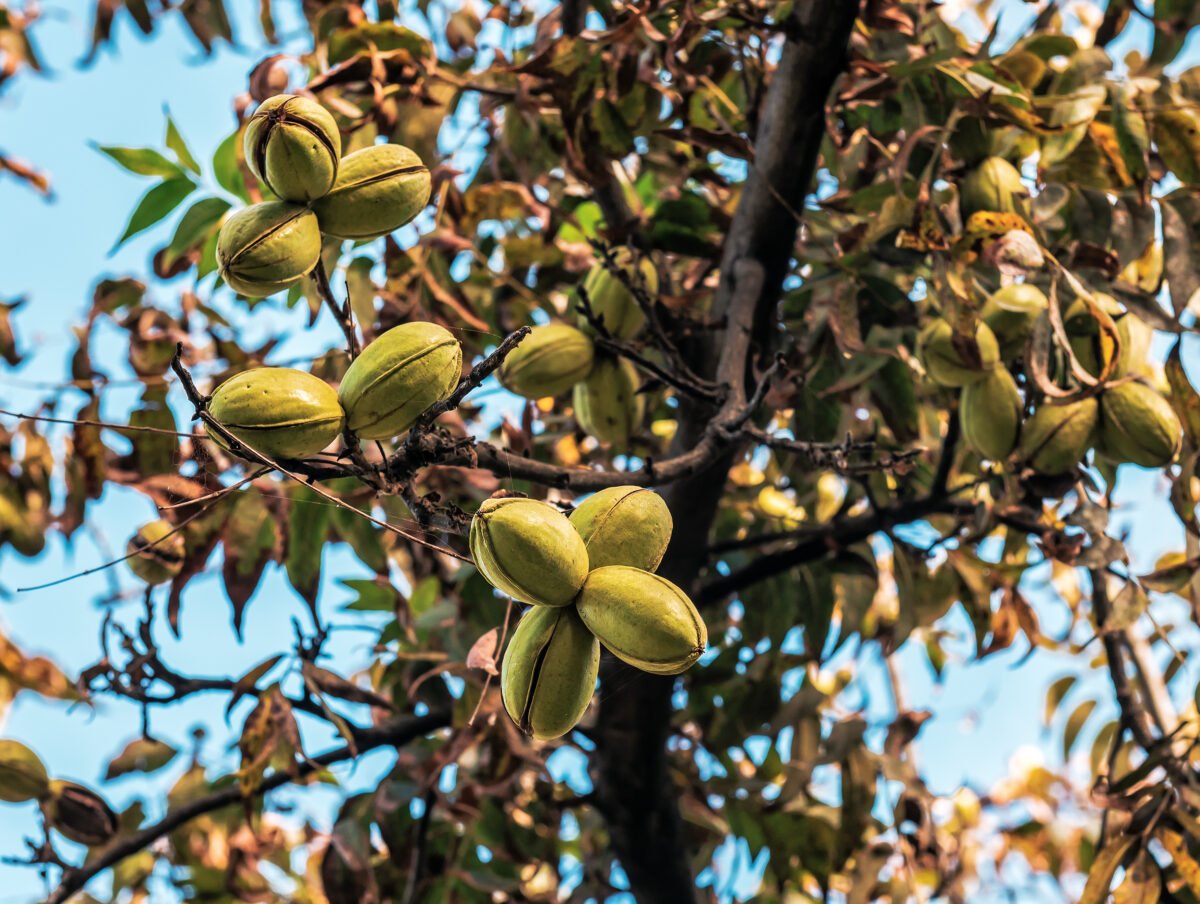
634, 789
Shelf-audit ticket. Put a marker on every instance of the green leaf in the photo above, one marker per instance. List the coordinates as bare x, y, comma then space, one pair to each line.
250, 542
1177, 137
1183, 398
1075, 723
424, 596
308, 525
373, 595
176, 143
142, 755
143, 161
155, 205
195, 225
226, 166
1072, 114
154, 453
1132, 136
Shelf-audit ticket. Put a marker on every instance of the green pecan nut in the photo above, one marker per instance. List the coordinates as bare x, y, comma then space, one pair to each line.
953, 360
22, 775
1094, 348
378, 190
995, 185
990, 411
156, 554
1011, 312
529, 550
267, 247
398, 376
624, 526
293, 145
643, 619
1056, 438
1139, 426
548, 362
611, 299
607, 403
79, 813
549, 671
278, 411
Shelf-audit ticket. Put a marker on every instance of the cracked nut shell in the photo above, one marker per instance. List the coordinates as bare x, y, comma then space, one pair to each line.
548, 362
264, 248
529, 550
624, 526
157, 554
397, 377
643, 619
549, 670
278, 411
378, 190
607, 403
293, 145
79, 813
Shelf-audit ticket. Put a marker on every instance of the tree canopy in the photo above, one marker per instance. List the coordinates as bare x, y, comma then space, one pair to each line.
900, 302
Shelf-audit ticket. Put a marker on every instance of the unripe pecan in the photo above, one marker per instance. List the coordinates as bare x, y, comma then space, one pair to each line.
278, 411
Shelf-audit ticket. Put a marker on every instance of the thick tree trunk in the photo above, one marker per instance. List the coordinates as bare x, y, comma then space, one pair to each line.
633, 785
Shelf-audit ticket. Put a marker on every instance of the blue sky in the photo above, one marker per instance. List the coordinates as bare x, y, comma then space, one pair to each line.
53, 253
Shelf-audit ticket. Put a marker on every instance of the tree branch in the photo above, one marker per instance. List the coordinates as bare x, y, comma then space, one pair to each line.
633, 786
343, 314
817, 542
394, 732
1132, 713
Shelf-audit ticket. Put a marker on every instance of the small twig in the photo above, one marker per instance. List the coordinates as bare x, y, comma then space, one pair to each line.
343, 314
941, 478
129, 555
240, 448
125, 428
418, 864
478, 374
394, 732
836, 456
701, 389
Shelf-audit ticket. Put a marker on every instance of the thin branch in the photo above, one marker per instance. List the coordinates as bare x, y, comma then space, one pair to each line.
574, 16
1132, 713
418, 865
478, 374
946, 461
124, 428
836, 456
1154, 688
129, 555
343, 314
701, 389
394, 732
241, 448
817, 542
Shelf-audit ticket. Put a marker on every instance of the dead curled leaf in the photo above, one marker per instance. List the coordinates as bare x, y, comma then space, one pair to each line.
483, 652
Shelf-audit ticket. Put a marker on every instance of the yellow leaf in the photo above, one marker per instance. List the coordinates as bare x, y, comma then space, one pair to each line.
1181, 857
